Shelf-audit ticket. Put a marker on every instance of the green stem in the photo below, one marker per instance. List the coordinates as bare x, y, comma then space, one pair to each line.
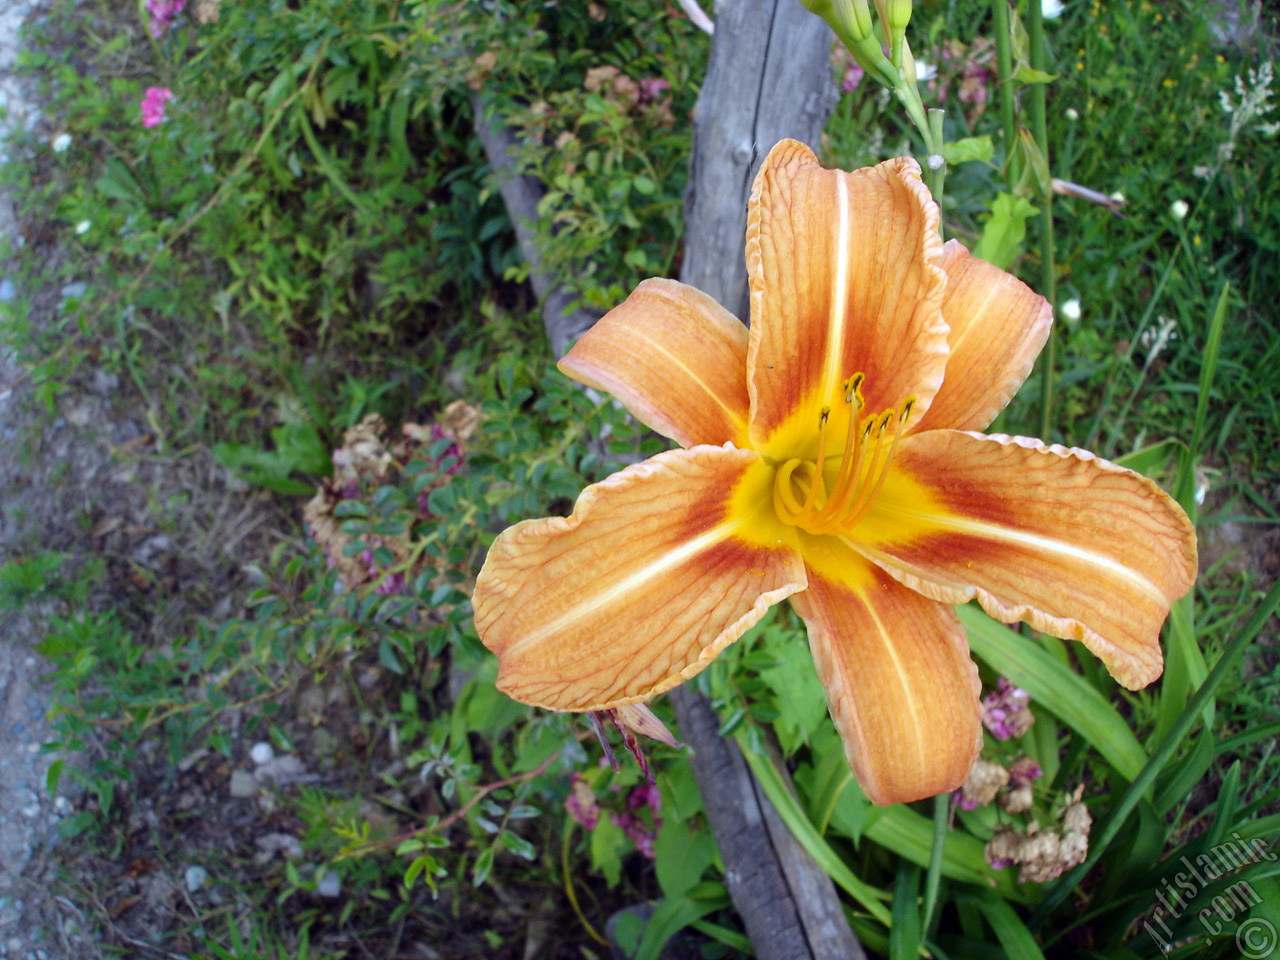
938, 175
1004, 84
941, 819
1049, 280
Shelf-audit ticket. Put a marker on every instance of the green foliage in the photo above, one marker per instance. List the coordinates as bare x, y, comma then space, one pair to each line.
600, 98
312, 236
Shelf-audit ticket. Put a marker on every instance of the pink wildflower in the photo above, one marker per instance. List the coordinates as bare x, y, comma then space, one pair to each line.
637, 831
153, 105
581, 802
1023, 770
1004, 711
650, 88
853, 75
162, 13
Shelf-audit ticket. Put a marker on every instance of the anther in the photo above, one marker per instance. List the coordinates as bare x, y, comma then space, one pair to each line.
807, 495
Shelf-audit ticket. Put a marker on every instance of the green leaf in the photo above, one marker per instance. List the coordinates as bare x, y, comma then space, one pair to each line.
1175, 783
1057, 688
908, 834
118, 183
53, 777
1151, 460
904, 930
793, 680
1012, 933
484, 864
1004, 230
1265, 916
969, 148
1034, 179
670, 917
1025, 75
681, 854
518, 845
607, 842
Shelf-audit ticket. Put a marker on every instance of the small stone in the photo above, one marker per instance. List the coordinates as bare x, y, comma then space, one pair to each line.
330, 885
195, 878
243, 784
262, 753
105, 381
281, 770
269, 844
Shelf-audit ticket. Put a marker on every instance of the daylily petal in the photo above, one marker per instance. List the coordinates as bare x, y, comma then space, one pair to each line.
901, 686
639, 589
675, 358
998, 327
1070, 543
843, 281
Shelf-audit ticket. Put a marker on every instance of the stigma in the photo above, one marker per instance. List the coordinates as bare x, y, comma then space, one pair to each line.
831, 494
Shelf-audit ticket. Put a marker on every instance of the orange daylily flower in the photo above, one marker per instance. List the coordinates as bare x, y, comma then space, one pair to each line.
828, 455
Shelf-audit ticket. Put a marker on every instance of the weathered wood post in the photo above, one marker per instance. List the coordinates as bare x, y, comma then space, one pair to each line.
769, 78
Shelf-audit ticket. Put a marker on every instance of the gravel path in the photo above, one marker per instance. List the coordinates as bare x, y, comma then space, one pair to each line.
28, 817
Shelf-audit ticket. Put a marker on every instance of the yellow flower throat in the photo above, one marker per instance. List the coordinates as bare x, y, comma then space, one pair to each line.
801, 495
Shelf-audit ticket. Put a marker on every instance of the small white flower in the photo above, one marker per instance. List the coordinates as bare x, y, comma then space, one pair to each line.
1179, 209
1071, 310
83, 227
1051, 9
1117, 197
925, 71
1072, 114
61, 142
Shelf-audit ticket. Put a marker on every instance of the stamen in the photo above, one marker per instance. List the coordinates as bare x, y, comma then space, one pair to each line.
859, 476
859, 510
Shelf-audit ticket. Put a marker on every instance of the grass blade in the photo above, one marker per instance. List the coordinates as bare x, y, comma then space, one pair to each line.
1111, 826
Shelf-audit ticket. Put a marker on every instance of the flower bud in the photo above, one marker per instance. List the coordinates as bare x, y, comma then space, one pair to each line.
1179, 209
894, 16
855, 17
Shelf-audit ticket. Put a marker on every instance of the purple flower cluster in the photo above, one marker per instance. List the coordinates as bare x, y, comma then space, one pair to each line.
162, 14
581, 803
153, 105
1004, 711
1023, 770
637, 831
393, 582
